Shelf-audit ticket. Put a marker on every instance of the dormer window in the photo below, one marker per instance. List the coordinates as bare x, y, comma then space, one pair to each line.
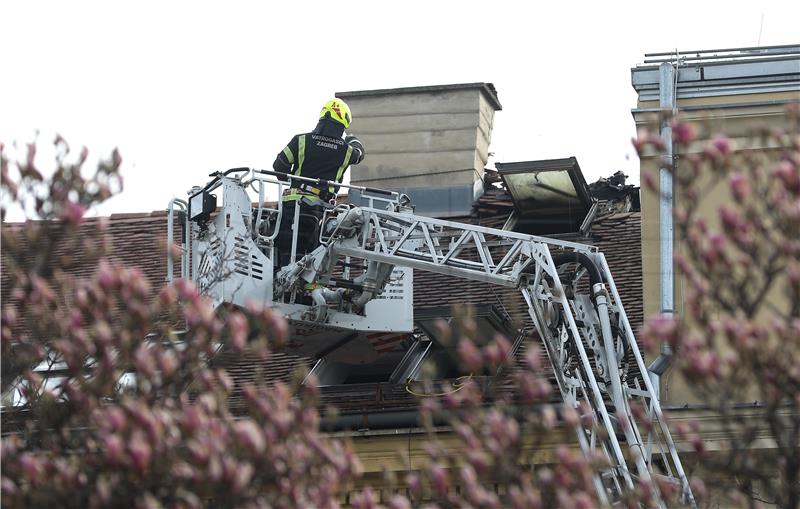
550, 196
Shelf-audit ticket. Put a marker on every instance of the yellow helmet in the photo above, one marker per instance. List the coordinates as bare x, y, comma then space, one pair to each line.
338, 111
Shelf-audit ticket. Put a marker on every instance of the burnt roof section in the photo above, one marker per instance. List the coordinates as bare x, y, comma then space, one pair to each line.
487, 88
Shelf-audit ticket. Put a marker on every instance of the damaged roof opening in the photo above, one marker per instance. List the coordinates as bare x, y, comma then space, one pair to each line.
550, 196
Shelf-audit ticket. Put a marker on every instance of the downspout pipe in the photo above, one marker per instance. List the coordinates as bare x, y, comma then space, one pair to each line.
667, 101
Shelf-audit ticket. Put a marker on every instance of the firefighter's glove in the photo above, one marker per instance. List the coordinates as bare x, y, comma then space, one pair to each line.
355, 142
357, 146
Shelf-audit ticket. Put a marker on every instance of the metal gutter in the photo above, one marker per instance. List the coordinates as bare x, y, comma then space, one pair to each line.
376, 420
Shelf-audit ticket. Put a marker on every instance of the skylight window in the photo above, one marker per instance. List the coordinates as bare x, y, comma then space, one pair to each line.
550, 196
543, 189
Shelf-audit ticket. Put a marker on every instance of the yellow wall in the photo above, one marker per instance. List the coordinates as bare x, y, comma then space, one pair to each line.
402, 451
739, 117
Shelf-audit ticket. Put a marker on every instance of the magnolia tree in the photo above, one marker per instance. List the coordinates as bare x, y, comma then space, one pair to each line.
121, 408
738, 338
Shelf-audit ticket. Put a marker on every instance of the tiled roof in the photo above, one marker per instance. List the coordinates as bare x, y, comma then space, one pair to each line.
138, 240
135, 240
619, 238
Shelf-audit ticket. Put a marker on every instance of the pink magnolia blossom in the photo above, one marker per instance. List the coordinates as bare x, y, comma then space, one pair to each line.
682, 132
139, 452
739, 186
469, 355
114, 449
439, 478
237, 323
722, 144
250, 436
72, 212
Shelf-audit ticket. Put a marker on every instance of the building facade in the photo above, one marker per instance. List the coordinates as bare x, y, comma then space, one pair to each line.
732, 92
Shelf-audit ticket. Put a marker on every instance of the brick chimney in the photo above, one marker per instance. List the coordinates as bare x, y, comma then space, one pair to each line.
430, 142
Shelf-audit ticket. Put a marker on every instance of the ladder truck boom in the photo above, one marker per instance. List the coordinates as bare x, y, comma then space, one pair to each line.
569, 290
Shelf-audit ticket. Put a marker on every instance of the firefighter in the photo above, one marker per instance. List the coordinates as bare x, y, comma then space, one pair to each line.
322, 153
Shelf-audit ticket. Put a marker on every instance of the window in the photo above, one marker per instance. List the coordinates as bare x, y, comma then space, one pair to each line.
550, 196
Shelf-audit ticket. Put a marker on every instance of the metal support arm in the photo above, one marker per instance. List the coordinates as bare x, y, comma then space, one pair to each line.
590, 343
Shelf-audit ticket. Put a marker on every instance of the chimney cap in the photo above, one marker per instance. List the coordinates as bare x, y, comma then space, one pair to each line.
487, 88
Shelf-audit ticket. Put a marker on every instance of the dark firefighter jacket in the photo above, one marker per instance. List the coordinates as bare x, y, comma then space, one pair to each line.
318, 154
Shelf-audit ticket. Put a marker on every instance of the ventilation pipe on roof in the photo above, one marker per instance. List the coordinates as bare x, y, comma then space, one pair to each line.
667, 100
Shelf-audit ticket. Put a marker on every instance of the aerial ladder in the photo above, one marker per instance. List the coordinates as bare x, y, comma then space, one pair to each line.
358, 282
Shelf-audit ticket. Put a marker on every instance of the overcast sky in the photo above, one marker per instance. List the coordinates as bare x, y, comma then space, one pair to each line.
186, 88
